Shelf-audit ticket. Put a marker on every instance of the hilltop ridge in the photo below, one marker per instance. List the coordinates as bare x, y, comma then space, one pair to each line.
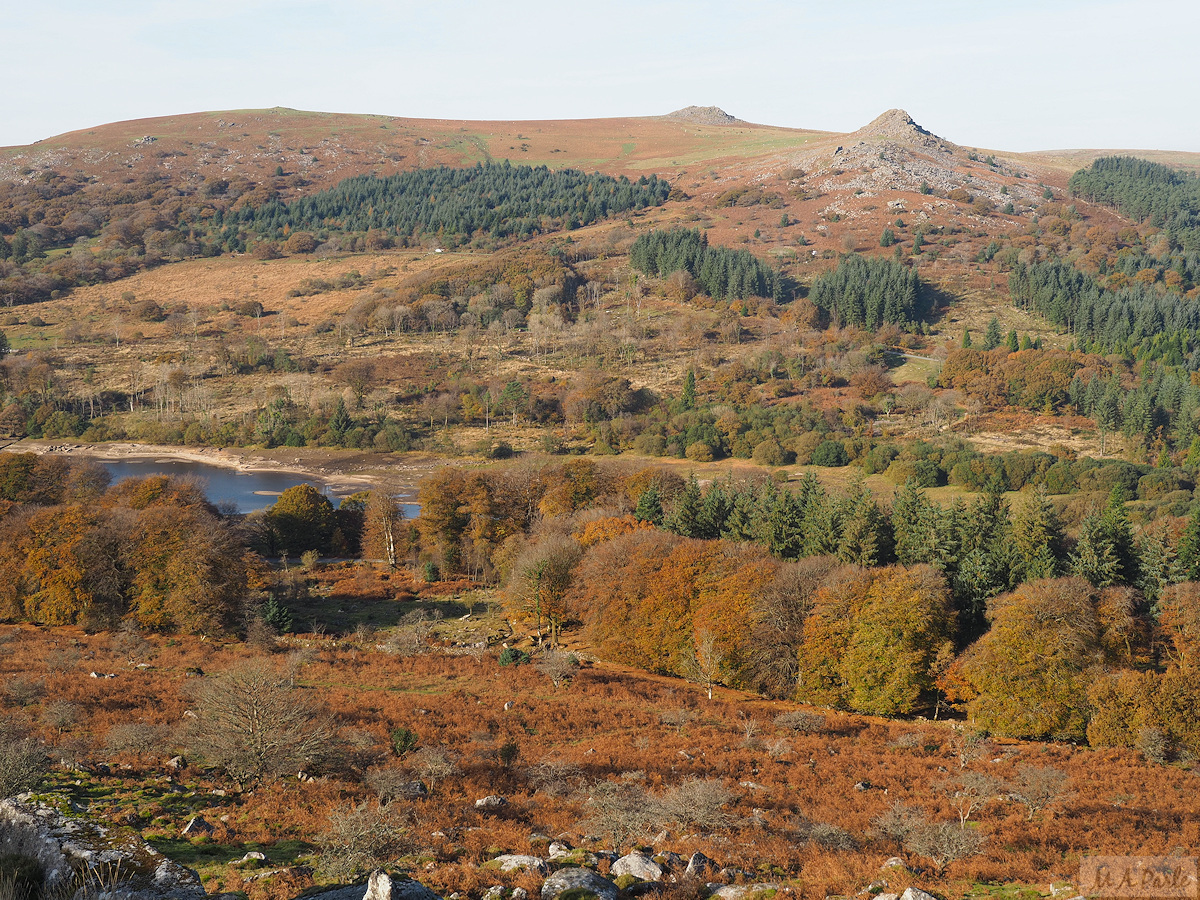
704, 115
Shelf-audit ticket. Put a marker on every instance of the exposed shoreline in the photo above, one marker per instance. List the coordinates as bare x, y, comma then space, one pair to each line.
340, 471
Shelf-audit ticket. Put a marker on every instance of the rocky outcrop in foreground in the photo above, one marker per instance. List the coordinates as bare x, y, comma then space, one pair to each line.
96, 858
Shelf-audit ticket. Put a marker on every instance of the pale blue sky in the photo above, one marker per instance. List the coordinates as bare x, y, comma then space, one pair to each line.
1007, 74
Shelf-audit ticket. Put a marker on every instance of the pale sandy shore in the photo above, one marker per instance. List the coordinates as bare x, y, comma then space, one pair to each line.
341, 471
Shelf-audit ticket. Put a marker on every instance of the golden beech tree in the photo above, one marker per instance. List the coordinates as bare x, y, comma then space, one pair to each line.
53, 578
189, 573
1030, 674
902, 632
876, 639
1179, 622
672, 604
150, 549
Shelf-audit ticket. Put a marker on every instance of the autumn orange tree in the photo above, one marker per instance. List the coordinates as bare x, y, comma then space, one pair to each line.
1029, 675
876, 640
152, 550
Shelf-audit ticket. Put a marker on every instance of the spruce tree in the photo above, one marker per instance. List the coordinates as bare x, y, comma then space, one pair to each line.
1095, 559
687, 398
785, 526
649, 506
966, 340
866, 534
685, 517
745, 519
714, 510
339, 422
1012, 342
1036, 538
1158, 566
993, 335
914, 526
1118, 531
1188, 548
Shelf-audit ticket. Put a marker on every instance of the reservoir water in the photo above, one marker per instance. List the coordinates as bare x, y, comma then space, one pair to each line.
245, 491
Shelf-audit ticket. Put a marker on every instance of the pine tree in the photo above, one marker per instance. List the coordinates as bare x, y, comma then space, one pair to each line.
1012, 342
966, 339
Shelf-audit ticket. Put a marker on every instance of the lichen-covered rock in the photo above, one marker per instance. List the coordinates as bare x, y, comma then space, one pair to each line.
913, 893
740, 891
582, 880
513, 862
639, 865
63, 847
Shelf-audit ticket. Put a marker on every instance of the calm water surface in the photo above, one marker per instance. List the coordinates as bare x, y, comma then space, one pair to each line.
246, 491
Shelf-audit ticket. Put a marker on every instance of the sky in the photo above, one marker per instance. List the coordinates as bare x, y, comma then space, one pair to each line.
1005, 75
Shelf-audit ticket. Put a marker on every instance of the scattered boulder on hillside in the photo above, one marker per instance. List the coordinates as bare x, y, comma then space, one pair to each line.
738, 891
639, 865
670, 861
699, 866
380, 886
583, 884
196, 826
514, 862
65, 849
704, 115
913, 893
492, 801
